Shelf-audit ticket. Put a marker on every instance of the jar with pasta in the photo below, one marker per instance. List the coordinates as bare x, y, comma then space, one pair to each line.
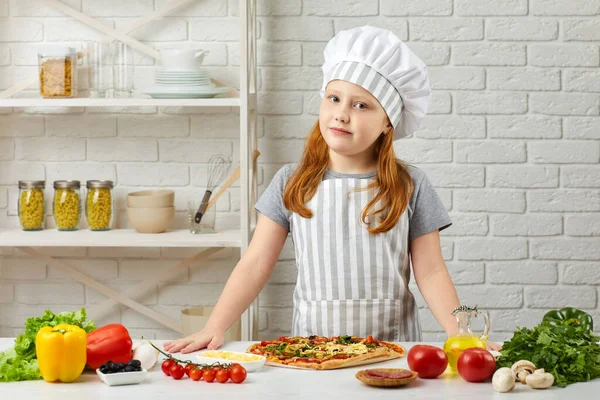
32, 208
67, 205
99, 205
58, 72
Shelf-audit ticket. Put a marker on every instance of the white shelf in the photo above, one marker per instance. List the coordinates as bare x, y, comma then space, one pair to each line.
135, 102
117, 238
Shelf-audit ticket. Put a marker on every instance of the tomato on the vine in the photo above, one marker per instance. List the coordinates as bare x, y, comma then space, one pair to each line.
222, 376
177, 371
188, 368
237, 373
208, 375
195, 374
166, 366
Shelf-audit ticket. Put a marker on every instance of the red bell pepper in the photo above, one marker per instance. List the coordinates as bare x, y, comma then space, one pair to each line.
108, 343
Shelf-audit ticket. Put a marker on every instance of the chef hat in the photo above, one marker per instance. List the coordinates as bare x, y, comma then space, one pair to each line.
378, 61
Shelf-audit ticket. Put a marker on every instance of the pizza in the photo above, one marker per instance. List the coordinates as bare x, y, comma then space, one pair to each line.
319, 352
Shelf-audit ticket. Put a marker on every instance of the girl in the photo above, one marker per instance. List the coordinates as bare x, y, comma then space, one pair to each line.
355, 212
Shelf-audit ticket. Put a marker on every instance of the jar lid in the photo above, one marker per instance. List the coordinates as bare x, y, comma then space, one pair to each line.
67, 185
32, 184
57, 51
100, 184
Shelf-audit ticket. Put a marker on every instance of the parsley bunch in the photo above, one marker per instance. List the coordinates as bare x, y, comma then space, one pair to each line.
569, 351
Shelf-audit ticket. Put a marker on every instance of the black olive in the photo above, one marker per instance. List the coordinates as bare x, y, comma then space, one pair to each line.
113, 367
129, 368
135, 363
122, 365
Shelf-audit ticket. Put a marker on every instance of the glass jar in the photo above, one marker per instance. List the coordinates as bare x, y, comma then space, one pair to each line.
32, 207
67, 205
99, 205
58, 72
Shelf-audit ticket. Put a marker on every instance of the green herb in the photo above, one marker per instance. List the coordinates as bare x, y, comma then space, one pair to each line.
19, 363
569, 351
345, 339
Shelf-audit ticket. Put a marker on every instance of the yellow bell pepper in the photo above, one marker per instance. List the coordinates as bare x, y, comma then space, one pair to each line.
61, 352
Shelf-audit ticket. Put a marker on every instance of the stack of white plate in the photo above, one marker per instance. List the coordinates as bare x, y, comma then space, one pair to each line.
182, 78
183, 85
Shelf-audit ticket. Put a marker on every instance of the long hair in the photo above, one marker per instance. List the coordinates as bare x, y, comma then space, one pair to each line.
393, 181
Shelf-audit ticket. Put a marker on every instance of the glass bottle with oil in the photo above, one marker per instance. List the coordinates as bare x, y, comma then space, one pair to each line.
465, 338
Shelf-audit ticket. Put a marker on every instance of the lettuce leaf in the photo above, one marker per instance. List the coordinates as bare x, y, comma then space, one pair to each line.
20, 363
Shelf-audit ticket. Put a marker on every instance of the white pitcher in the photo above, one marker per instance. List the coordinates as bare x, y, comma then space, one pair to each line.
182, 60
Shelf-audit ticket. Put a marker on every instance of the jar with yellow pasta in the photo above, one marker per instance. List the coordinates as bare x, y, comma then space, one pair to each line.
67, 205
58, 72
32, 208
99, 205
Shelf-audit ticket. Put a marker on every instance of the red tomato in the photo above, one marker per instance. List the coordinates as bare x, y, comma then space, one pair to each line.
188, 368
166, 366
177, 371
222, 376
427, 361
238, 374
196, 374
476, 364
209, 375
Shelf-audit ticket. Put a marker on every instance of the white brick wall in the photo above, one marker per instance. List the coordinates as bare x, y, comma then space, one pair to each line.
511, 141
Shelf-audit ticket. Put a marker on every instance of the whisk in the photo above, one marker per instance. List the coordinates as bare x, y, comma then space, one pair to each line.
218, 167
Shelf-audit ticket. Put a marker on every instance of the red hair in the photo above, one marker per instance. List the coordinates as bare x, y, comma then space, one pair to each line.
393, 181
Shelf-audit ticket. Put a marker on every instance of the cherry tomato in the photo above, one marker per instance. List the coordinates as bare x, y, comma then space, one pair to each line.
427, 361
166, 366
209, 375
238, 374
177, 371
196, 374
476, 364
222, 376
188, 368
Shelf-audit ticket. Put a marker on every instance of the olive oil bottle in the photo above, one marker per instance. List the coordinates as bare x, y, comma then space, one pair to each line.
465, 338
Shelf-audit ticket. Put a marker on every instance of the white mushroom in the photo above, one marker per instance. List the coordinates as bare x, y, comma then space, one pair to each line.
504, 380
540, 379
522, 369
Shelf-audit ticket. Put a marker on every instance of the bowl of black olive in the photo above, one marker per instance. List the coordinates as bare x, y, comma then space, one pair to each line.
115, 374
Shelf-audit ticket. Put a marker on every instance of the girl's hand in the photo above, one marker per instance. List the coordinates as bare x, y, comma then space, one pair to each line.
494, 346
204, 339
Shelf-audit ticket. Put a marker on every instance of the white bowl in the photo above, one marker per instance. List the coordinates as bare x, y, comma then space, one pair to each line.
123, 378
250, 366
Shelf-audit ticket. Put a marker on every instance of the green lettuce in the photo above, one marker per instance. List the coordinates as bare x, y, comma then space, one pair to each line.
19, 363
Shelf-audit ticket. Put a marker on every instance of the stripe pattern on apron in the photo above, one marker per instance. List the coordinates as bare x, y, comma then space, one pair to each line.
349, 281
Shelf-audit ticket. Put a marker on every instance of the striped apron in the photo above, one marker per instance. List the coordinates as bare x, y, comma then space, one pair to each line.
351, 282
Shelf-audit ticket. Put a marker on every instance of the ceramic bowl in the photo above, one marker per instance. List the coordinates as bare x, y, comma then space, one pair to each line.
123, 378
151, 220
151, 199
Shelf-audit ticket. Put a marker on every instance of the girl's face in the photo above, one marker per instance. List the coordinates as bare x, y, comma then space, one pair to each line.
351, 119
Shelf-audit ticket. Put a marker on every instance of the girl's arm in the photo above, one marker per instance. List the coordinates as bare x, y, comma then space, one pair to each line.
433, 279
244, 284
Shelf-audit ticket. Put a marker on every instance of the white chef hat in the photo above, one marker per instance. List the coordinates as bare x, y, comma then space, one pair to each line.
378, 61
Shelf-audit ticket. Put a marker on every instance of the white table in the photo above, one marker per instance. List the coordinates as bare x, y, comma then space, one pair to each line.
280, 384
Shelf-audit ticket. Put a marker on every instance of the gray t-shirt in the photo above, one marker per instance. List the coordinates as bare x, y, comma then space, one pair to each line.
426, 212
